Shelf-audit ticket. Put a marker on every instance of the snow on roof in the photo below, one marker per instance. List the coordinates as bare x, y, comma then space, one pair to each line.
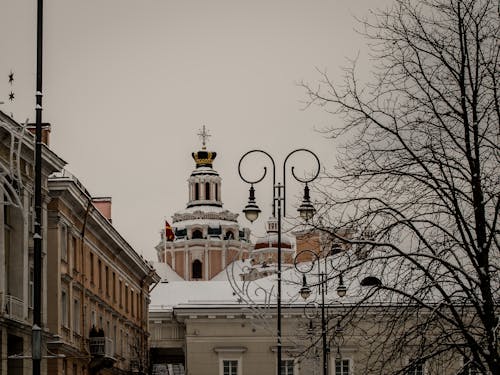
214, 223
166, 272
227, 288
273, 238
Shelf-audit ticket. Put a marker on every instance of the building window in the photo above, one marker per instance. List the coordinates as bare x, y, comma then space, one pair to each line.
76, 316
217, 192
74, 248
207, 191
106, 279
197, 269
132, 302
64, 308
99, 274
113, 286
229, 367
196, 191
342, 367
469, 368
91, 261
286, 367
63, 239
197, 234
120, 291
93, 319
126, 298
229, 235
416, 369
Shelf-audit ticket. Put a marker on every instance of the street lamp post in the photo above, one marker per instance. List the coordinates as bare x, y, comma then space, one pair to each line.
36, 344
305, 292
306, 211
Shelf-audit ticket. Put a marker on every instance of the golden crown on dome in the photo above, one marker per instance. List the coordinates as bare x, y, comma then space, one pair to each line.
204, 158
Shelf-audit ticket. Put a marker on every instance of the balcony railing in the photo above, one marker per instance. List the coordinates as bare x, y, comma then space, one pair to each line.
11, 307
102, 347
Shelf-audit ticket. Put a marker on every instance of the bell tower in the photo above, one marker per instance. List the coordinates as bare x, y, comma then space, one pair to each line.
207, 237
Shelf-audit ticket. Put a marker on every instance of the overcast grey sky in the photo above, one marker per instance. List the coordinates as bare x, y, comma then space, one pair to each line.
129, 83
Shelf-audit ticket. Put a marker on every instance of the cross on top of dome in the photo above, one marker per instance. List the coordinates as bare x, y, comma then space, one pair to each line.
204, 135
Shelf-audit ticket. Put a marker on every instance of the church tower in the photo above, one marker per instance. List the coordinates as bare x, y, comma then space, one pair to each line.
206, 237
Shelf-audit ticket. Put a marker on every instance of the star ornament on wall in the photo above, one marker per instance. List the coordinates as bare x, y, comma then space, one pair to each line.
11, 96
11, 77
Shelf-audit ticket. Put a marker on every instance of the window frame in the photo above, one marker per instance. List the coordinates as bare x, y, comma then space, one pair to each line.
229, 359
294, 364
413, 370
350, 366
64, 308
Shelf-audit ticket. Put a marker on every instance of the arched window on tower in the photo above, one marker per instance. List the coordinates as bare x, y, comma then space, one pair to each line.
197, 234
217, 192
207, 191
196, 191
196, 269
229, 235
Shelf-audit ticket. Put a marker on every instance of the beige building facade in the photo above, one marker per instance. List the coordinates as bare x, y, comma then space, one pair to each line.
98, 288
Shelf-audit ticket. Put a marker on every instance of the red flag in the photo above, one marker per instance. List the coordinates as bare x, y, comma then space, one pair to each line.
169, 233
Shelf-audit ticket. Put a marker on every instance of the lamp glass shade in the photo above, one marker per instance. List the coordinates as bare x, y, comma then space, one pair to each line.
306, 210
305, 292
341, 290
251, 212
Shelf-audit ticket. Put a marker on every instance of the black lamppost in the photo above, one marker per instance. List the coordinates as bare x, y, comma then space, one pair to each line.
305, 292
306, 211
36, 345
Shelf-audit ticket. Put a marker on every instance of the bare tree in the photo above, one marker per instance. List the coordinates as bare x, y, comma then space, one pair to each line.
419, 169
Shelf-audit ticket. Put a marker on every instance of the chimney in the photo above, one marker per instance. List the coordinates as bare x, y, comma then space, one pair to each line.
45, 131
103, 204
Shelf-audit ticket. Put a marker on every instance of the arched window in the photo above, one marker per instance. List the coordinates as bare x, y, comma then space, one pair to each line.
371, 281
196, 191
207, 191
217, 192
196, 271
229, 235
197, 234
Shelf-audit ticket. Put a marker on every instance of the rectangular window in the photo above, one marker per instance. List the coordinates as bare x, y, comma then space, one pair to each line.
63, 239
91, 261
99, 274
416, 369
113, 286
286, 367
120, 291
106, 279
469, 368
229, 367
132, 302
74, 248
64, 308
93, 319
76, 315
126, 298
342, 367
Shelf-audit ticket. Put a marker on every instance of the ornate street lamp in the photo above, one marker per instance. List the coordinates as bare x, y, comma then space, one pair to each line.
305, 292
252, 211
